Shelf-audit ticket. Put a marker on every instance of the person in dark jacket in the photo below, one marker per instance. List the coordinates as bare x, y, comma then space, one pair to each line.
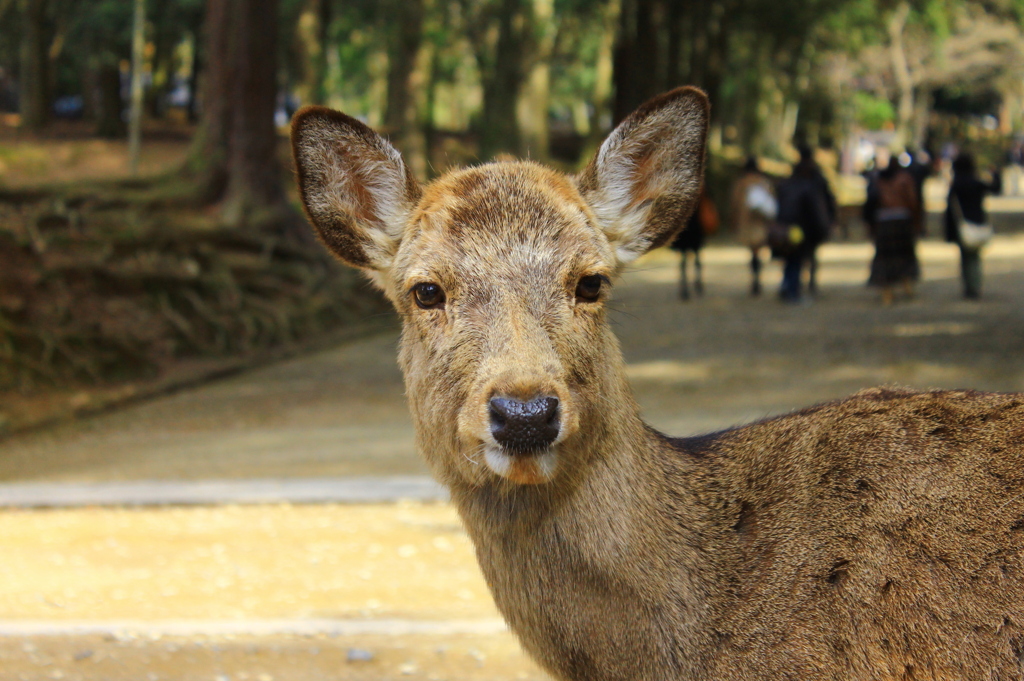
691, 240
831, 211
806, 210
895, 218
966, 203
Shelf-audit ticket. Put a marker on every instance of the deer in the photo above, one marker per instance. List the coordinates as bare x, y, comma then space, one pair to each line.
875, 537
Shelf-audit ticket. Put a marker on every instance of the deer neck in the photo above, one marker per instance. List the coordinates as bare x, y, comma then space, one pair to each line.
595, 558
599, 517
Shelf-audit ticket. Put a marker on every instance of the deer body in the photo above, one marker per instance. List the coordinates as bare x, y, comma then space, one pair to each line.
874, 538
778, 550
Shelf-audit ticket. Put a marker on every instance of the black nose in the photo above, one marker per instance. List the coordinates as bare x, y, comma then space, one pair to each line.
523, 427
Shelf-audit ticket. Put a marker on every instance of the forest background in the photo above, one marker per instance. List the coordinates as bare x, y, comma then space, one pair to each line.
129, 284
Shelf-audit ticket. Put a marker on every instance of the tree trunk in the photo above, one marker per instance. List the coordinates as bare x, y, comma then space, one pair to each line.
714, 72
110, 108
749, 118
901, 72
135, 116
406, 40
502, 77
254, 192
408, 71
234, 153
698, 42
313, 37
601, 115
650, 73
162, 83
207, 162
535, 96
676, 13
922, 112
35, 72
195, 69
639, 67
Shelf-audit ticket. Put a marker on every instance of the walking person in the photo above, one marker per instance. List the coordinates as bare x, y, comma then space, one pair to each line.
701, 224
966, 221
753, 208
894, 215
810, 167
802, 224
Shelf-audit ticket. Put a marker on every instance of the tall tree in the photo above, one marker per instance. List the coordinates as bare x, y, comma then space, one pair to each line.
35, 72
313, 45
407, 63
603, 75
533, 108
639, 58
497, 33
254, 192
234, 157
207, 162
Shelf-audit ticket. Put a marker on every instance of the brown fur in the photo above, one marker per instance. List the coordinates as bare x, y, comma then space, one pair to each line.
879, 537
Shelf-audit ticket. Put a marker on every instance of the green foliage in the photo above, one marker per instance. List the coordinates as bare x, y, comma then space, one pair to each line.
871, 111
769, 55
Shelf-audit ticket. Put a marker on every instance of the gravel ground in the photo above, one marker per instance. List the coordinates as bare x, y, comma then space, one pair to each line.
126, 657
248, 592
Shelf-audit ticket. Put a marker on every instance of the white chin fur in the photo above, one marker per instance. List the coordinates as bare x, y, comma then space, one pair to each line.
542, 464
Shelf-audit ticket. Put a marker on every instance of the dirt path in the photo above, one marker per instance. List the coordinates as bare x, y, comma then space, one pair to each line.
707, 364
255, 592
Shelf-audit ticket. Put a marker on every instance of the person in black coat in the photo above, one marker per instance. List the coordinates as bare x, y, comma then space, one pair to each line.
691, 240
806, 209
966, 203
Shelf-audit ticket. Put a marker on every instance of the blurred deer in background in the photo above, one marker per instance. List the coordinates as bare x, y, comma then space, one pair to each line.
879, 537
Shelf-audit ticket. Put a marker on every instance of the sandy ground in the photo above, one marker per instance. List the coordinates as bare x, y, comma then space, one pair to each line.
127, 657
253, 592
392, 591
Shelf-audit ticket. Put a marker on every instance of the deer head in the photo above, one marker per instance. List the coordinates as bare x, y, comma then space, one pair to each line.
501, 274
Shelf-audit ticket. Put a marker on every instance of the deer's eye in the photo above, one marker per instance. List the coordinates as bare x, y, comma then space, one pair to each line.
589, 288
428, 296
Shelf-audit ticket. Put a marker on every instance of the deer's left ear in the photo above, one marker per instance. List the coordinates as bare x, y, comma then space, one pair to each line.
646, 178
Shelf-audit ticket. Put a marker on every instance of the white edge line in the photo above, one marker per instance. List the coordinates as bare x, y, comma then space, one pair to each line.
131, 629
201, 492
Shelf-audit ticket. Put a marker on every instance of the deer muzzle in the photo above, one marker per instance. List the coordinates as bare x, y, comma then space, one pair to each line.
524, 427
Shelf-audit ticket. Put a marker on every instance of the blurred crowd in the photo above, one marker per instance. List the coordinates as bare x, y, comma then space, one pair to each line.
789, 218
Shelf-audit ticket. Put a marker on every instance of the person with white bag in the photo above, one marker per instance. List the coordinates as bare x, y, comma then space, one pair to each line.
966, 220
753, 208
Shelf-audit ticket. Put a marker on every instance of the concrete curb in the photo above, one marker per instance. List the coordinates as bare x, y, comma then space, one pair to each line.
130, 629
356, 490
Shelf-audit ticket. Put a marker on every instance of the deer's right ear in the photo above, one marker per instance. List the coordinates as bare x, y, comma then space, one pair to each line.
645, 180
356, 188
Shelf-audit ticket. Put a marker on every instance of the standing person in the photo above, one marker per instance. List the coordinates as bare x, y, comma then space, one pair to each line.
702, 223
895, 219
801, 225
753, 208
811, 169
966, 220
